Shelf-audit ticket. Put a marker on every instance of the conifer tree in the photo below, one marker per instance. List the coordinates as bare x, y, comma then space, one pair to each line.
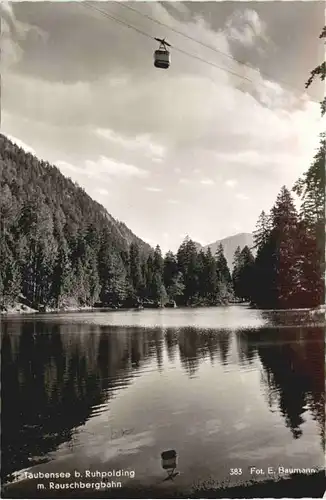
311, 189
114, 281
149, 277
264, 290
158, 262
224, 280
62, 279
135, 269
187, 263
173, 279
275, 272
236, 271
9, 276
211, 279
201, 272
285, 225
319, 71
262, 231
245, 274
170, 270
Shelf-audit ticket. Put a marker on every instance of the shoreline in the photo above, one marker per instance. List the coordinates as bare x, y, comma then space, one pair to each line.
21, 309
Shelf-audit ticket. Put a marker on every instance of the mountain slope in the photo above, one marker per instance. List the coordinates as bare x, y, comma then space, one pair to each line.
58, 245
24, 175
230, 244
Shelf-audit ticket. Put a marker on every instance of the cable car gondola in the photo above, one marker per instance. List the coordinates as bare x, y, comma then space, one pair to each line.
162, 57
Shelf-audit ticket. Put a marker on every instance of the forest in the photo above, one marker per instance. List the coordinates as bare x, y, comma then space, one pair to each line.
61, 249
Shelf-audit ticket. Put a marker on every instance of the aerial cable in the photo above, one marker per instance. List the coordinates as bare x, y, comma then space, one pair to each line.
218, 51
113, 18
109, 15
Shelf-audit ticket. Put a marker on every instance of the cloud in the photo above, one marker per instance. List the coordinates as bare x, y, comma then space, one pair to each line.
150, 241
146, 95
103, 168
102, 191
188, 182
21, 144
13, 33
110, 116
107, 166
246, 27
10, 50
196, 120
67, 168
142, 143
242, 196
207, 182
153, 189
231, 183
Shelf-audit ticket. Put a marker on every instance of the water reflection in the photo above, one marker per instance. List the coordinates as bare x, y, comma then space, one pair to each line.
55, 377
293, 372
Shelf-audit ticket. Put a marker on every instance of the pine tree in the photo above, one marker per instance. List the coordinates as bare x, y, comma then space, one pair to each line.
135, 269
285, 225
187, 263
264, 289
311, 189
211, 278
154, 288
114, 282
245, 274
52, 231
201, 272
41, 249
144, 272
159, 294
175, 290
224, 280
173, 278
262, 231
9, 277
158, 262
149, 280
236, 271
170, 269
62, 279
310, 266
91, 276
319, 71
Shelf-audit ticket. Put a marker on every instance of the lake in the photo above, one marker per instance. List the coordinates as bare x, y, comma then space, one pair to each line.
226, 388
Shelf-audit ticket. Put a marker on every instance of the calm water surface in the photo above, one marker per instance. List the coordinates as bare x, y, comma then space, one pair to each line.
224, 387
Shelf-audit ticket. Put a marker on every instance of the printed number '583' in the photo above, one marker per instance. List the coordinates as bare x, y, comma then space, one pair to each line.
235, 472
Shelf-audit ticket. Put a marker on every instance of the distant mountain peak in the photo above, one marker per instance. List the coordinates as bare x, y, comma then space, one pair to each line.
230, 244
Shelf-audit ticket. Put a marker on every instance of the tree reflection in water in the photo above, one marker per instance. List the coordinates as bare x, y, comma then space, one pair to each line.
54, 375
293, 372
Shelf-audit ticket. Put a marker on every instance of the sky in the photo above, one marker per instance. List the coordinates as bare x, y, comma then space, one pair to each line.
199, 149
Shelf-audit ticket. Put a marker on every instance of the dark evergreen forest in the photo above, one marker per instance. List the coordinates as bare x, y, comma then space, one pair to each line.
60, 249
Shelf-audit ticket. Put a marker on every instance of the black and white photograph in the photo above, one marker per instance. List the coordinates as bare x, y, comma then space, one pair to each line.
162, 249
